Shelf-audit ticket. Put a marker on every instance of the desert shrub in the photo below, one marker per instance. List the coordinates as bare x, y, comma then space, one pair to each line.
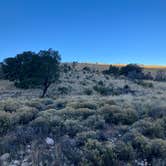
110, 102
41, 126
24, 135
124, 151
10, 108
126, 89
7, 144
24, 115
86, 68
45, 122
9, 105
5, 122
65, 68
63, 90
148, 76
71, 113
84, 112
158, 111
71, 152
47, 101
132, 71
85, 105
1, 72
72, 127
126, 116
150, 129
143, 146
158, 148
160, 76
60, 105
57, 126
95, 121
103, 90
88, 91
106, 108
37, 104
101, 83
144, 84
113, 70
97, 154
82, 137
149, 149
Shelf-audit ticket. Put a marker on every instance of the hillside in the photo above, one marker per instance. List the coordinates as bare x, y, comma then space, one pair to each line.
87, 119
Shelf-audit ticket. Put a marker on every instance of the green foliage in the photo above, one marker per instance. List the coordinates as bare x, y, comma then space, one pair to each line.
144, 84
86, 68
150, 129
103, 90
160, 76
25, 115
88, 91
126, 116
29, 70
5, 122
132, 71
113, 70
124, 151
63, 90
1, 72
99, 155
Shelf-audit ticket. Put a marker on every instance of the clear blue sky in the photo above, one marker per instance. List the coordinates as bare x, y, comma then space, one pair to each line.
106, 31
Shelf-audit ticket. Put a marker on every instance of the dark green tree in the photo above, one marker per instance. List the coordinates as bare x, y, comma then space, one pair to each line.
31, 70
132, 71
113, 70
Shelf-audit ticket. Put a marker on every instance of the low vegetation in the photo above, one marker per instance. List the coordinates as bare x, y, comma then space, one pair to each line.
90, 117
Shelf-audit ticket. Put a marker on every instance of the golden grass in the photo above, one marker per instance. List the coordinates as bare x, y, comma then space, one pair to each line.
102, 65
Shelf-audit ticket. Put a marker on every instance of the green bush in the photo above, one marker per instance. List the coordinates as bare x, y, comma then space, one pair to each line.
132, 71
96, 122
158, 148
150, 129
113, 70
103, 90
88, 91
72, 127
85, 105
126, 116
5, 122
98, 154
158, 111
41, 126
63, 90
124, 151
143, 146
24, 115
9, 105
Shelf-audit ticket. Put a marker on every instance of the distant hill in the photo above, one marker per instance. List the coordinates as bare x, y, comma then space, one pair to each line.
103, 66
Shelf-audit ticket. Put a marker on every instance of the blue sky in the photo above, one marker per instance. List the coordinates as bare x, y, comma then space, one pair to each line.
106, 31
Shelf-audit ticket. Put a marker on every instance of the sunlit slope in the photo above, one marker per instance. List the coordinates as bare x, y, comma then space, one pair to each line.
104, 66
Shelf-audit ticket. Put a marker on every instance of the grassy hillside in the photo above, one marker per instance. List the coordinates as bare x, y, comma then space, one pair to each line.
87, 119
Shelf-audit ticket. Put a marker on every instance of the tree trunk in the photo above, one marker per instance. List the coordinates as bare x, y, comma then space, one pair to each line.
46, 86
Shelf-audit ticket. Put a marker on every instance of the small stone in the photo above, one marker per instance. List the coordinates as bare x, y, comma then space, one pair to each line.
5, 157
25, 160
16, 162
25, 164
28, 150
49, 141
